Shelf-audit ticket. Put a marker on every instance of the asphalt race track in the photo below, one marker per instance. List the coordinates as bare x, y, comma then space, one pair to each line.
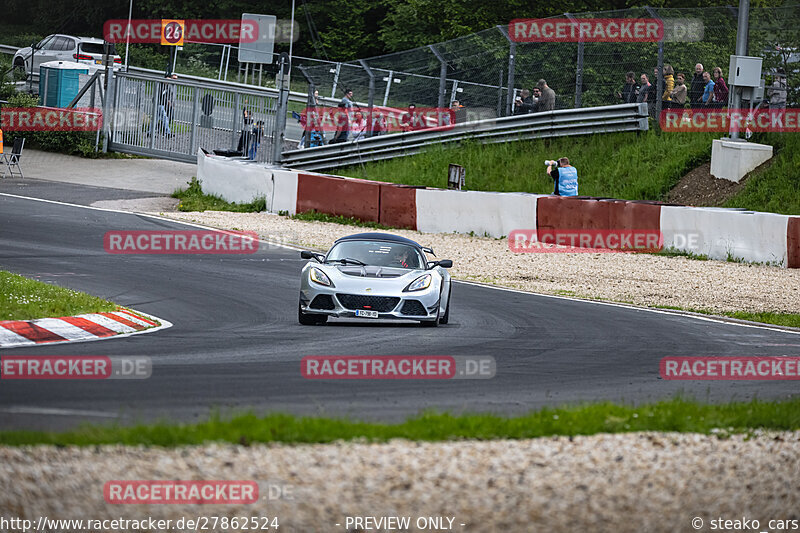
236, 344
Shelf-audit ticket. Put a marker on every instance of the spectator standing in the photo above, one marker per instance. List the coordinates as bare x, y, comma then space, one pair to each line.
669, 85
166, 105
536, 98
678, 94
523, 104
645, 90
778, 90
547, 102
708, 90
378, 123
720, 89
255, 140
565, 177
342, 124
629, 90
359, 126
244, 137
697, 87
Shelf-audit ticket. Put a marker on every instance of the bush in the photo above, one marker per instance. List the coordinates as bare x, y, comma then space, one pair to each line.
66, 142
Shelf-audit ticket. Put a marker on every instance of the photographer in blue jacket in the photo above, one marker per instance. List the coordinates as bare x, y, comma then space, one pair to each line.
565, 177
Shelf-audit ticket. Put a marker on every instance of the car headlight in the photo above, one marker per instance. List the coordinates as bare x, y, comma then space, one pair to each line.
422, 282
318, 276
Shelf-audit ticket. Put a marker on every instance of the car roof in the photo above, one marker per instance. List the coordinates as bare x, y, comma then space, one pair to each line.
379, 237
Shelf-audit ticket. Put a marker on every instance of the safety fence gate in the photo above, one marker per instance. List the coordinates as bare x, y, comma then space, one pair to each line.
173, 118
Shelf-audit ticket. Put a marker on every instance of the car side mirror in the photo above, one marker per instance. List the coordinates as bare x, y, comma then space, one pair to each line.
305, 254
446, 263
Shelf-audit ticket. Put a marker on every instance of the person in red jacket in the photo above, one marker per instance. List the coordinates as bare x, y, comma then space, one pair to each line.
720, 89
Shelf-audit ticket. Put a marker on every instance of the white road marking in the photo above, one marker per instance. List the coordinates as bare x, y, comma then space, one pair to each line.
24, 410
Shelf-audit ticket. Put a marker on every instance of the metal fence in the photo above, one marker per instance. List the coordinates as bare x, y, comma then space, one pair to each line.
171, 119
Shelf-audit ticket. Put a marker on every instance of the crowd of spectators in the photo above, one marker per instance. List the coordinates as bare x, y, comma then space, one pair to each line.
705, 89
543, 98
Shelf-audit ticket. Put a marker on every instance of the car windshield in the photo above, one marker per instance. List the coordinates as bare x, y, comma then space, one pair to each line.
378, 253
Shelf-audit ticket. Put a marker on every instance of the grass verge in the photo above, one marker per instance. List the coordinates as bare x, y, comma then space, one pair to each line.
775, 188
193, 199
681, 415
764, 317
625, 165
26, 299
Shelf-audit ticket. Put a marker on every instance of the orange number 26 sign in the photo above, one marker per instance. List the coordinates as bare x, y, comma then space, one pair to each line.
172, 32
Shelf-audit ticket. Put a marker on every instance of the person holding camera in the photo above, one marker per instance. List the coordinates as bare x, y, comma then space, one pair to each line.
565, 177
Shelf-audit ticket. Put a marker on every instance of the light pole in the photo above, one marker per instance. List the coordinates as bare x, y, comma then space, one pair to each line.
291, 42
128, 35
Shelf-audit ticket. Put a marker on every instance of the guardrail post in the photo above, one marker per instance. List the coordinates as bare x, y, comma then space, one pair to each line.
578, 70
442, 75
108, 113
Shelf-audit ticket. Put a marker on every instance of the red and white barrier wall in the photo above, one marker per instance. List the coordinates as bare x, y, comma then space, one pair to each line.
718, 233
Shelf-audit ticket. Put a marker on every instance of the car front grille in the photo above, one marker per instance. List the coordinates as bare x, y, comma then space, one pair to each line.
382, 304
323, 301
413, 307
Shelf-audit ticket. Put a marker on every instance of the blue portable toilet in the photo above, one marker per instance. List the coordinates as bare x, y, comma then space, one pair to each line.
59, 82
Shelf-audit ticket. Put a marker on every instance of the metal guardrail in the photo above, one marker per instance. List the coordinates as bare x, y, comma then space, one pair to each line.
5, 49
583, 121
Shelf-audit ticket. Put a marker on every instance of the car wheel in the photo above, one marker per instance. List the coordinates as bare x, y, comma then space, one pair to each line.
308, 319
446, 318
433, 323
20, 71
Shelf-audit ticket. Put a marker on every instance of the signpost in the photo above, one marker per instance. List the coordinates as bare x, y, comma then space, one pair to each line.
172, 32
456, 177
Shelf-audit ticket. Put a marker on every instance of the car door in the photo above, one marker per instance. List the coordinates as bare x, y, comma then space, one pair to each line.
68, 51
40, 51
48, 52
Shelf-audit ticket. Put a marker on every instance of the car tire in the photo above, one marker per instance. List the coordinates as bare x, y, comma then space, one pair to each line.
20, 69
310, 320
434, 323
446, 318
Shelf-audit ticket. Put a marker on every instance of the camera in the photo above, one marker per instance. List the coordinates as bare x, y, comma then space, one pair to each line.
549, 163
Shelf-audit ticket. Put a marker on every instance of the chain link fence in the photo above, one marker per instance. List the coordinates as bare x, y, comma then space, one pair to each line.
485, 71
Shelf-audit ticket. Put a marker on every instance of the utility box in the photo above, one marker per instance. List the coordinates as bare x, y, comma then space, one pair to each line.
59, 82
744, 71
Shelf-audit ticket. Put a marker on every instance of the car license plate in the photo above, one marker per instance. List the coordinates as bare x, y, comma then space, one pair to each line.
366, 314
98, 62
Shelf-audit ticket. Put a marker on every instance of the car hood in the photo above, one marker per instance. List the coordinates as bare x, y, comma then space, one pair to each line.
372, 271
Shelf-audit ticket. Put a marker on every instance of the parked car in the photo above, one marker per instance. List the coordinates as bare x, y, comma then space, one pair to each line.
85, 50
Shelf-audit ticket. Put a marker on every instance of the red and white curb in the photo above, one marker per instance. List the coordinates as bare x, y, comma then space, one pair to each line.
80, 328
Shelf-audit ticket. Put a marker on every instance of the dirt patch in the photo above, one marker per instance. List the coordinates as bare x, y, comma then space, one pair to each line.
699, 188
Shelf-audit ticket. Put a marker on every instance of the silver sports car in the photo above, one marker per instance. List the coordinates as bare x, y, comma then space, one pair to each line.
375, 275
